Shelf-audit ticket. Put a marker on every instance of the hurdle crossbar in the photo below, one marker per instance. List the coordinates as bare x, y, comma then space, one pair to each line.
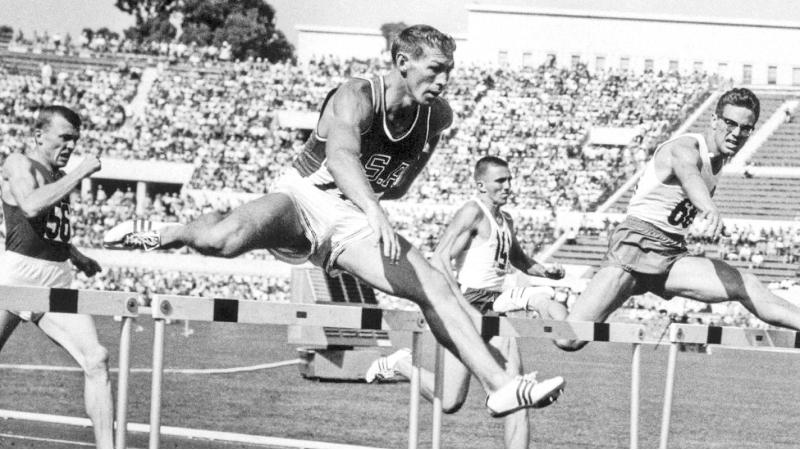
203, 309
259, 312
90, 302
733, 337
555, 329
70, 301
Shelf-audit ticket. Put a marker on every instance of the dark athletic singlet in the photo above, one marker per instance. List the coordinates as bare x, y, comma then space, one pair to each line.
44, 237
385, 158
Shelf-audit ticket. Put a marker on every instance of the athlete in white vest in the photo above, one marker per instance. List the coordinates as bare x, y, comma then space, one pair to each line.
647, 251
482, 241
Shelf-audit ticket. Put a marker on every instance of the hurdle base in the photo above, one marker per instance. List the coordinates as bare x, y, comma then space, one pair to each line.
337, 364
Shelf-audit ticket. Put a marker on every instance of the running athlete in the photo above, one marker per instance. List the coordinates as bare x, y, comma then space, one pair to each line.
373, 137
35, 193
481, 239
647, 251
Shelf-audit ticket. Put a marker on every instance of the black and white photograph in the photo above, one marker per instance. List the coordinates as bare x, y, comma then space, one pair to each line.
353, 224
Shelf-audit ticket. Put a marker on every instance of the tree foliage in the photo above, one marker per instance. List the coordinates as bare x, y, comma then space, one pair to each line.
248, 26
147, 10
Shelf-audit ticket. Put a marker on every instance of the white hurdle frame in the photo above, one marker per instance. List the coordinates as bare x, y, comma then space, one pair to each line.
347, 316
94, 303
734, 337
202, 309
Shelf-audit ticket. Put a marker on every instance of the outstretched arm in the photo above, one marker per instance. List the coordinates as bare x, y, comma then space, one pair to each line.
684, 160
350, 113
456, 238
35, 199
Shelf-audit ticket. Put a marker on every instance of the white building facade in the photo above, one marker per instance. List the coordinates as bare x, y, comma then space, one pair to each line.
751, 51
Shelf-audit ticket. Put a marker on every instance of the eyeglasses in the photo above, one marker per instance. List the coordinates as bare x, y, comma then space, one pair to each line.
745, 130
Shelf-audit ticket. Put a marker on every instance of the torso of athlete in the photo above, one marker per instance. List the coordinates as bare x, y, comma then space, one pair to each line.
665, 205
388, 156
485, 263
46, 236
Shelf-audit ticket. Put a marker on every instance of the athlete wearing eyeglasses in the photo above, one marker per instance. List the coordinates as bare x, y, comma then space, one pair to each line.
647, 252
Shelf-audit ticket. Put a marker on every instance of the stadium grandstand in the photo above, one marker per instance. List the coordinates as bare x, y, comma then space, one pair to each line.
183, 130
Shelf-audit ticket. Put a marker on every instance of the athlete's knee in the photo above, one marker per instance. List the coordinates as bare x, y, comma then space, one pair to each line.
96, 362
435, 288
223, 238
751, 282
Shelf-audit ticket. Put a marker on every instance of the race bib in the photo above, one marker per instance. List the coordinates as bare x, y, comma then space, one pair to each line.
58, 226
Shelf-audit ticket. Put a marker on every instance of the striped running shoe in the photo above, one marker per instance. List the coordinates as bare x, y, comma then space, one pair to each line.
134, 234
385, 367
524, 391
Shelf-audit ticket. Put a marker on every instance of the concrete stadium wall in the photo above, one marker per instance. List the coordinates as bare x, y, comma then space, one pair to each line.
519, 36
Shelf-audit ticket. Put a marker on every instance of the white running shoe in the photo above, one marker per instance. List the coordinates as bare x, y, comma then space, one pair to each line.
385, 367
134, 234
524, 391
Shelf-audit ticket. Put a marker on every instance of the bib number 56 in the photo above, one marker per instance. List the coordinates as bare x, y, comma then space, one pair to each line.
58, 227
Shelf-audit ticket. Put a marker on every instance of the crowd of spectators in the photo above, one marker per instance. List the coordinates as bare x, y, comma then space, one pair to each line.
224, 122
539, 119
149, 282
104, 43
101, 96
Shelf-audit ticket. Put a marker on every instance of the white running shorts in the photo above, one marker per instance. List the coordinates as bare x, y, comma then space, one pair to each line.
329, 222
21, 270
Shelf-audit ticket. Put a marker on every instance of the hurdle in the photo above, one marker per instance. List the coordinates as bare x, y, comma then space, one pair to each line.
94, 303
368, 318
258, 312
491, 326
724, 336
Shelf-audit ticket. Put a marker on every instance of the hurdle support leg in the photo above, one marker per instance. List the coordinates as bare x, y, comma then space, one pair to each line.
122, 382
158, 373
413, 409
667, 412
635, 380
438, 392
